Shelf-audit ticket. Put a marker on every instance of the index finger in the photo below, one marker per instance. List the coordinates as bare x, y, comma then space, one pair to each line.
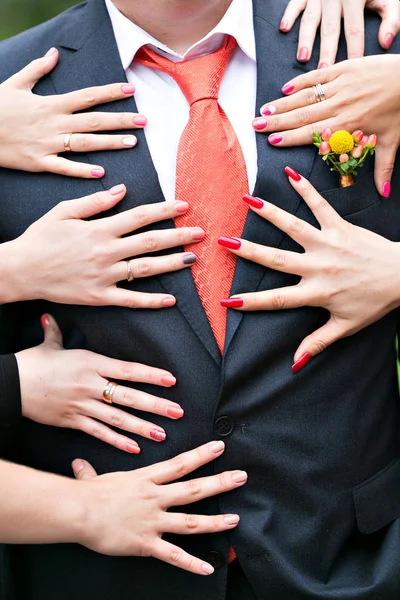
141, 216
89, 97
308, 80
353, 14
186, 463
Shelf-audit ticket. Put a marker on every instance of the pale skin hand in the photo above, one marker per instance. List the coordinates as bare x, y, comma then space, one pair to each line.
350, 271
372, 105
119, 514
64, 388
33, 128
328, 15
64, 258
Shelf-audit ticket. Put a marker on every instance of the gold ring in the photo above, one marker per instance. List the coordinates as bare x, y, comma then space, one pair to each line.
108, 392
129, 276
67, 142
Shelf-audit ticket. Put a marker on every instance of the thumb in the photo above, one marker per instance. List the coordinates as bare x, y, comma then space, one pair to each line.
390, 26
86, 207
384, 164
52, 333
30, 75
83, 470
318, 341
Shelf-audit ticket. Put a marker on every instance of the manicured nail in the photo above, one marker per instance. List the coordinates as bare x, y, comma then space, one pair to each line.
128, 89
169, 301
301, 362
98, 173
292, 174
207, 569
132, 449
217, 447
254, 202
303, 54
275, 139
239, 476
189, 259
268, 110
45, 321
168, 380
174, 412
158, 435
288, 89
198, 234
181, 207
232, 302
260, 124
231, 519
322, 66
129, 141
117, 189
386, 189
140, 121
228, 242
54, 50
284, 25
388, 41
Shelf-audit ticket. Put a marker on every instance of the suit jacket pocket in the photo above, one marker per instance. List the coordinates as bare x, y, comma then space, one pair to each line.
355, 198
377, 500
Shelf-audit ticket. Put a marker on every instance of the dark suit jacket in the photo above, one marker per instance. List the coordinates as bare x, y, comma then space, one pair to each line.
319, 513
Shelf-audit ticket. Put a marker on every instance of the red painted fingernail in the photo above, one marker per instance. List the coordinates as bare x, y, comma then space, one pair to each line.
275, 139
388, 40
45, 321
292, 174
301, 362
231, 243
158, 435
140, 121
387, 187
268, 110
252, 201
303, 54
98, 173
128, 89
288, 89
132, 449
260, 124
54, 50
232, 302
174, 412
322, 66
117, 189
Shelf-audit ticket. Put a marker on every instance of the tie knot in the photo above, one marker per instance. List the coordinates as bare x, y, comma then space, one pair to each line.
199, 78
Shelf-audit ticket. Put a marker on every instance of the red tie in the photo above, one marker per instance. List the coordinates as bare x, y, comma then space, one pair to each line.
211, 174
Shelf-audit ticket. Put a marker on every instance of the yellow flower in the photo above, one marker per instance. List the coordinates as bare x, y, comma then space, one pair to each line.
341, 142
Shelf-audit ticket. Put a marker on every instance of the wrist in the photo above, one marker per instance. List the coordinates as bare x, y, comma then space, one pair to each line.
394, 277
11, 273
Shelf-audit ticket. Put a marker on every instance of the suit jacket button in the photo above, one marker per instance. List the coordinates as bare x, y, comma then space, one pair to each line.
215, 559
223, 426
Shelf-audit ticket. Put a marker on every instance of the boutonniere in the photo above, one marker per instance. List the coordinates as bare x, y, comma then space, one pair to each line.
345, 152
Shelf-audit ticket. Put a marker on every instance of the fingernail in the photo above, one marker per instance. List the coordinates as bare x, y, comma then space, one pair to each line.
301, 362
232, 302
174, 412
45, 321
117, 189
322, 66
303, 54
54, 50
388, 40
129, 141
387, 187
252, 201
288, 89
128, 89
231, 519
158, 435
140, 121
198, 234
207, 569
132, 449
168, 379
260, 124
268, 110
239, 476
170, 301
275, 139
98, 173
78, 466
217, 447
284, 25
189, 259
292, 174
228, 242
181, 206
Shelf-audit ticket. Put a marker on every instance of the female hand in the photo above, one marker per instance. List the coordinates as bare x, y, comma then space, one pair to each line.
341, 270
75, 261
64, 388
372, 106
127, 512
33, 128
328, 15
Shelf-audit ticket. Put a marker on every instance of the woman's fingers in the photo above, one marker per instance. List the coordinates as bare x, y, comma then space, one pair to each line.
86, 142
127, 299
183, 524
291, 14
153, 241
308, 114
385, 159
150, 265
89, 97
88, 206
83, 470
319, 340
353, 14
97, 121
69, 168
108, 436
52, 334
177, 557
305, 97
284, 298
273, 258
299, 137
307, 80
144, 215
390, 26
142, 401
321, 209
308, 29
330, 32
30, 75
110, 368
187, 492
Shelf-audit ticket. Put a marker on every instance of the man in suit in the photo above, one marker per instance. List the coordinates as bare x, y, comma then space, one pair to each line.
320, 513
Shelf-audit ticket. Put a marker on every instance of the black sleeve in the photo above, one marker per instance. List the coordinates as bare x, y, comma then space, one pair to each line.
10, 403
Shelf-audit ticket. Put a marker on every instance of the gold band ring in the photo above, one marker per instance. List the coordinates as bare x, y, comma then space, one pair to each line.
129, 276
108, 392
319, 92
67, 142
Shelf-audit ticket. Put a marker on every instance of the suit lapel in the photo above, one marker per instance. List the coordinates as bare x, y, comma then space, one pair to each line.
276, 64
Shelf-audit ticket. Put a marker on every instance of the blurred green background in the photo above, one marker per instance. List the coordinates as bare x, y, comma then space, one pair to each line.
18, 15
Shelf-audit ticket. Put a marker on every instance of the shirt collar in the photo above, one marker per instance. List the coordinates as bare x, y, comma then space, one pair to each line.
237, 22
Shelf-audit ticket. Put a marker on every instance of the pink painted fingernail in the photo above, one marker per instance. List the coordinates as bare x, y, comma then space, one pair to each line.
168, 380
303, 54
284, 25
130, 141
388, 40
288, 89
275, 139
387, 188
260, 124
128, 89
45, 321
158, 435
268, 110
132, 449
181, 207
170, 301
140, 121
98, 173
51, 52
174, 412
303, 360
322, 66
207, 569
117, 189
198, 234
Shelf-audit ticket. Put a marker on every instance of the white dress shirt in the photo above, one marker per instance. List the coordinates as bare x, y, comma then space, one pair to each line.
159, 97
